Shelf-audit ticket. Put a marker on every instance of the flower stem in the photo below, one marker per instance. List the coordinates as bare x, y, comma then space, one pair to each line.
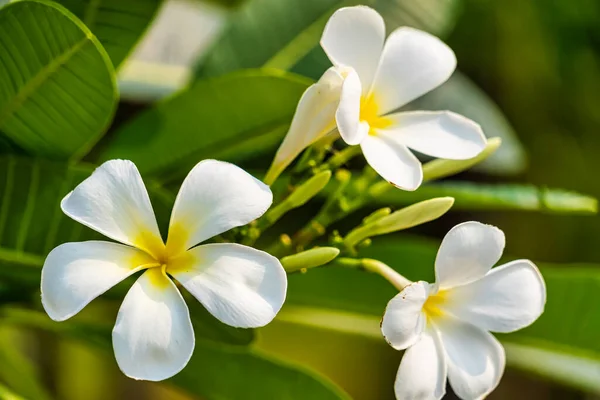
377, 267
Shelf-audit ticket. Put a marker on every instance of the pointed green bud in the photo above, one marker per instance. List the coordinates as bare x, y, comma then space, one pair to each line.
441, 168
299, 197
405, 218
308, 189
309, 259
374, 216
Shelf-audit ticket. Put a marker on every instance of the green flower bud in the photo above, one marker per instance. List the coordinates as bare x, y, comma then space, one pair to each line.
441, 168
309, 259
405, 218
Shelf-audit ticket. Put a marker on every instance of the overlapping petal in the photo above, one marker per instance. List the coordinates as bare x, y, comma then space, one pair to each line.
467, 253
442, 134
508, 298
239, 285
215, 197
475, 358
422, 372
347, 116
313, 119
353, 37
114, 202
404, 320
153, 338
76, 273
412, 63
393, 161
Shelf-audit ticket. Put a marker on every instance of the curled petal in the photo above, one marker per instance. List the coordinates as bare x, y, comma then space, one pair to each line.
442, 134
153, 338
76, 273
239, 285
313, 119
404, 320
347, 115
508, 298
215, 197
114, 202
393, 161
354, 37
413, 63
422, 372
467, 253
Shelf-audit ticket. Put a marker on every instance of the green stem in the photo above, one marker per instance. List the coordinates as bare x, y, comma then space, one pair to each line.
340, 158
376, 267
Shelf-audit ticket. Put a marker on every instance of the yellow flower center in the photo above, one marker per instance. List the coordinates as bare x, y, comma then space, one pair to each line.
433, 306
160, 258
369, 113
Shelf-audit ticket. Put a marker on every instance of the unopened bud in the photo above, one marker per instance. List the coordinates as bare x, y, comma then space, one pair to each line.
309, 259
308, 189
405, 218
374, 216
441, 168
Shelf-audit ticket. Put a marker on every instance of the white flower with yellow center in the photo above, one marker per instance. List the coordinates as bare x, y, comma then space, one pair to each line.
153, 337
445, 326
371, 78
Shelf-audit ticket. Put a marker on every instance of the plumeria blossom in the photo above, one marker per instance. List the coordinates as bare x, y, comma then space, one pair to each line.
153, 337
445, 326
371, 78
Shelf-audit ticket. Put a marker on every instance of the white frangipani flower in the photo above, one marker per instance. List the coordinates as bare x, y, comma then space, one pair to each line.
445, 326
153, 337
371, 78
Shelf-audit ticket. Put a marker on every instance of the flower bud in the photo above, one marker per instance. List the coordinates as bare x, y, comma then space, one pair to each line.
441, 168
309, 259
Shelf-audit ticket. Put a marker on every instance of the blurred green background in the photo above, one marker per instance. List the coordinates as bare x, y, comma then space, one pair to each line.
538, 60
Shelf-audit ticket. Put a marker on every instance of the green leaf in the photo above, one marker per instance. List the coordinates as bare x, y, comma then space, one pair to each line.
6, 393
57, 85
461, 95
569, 369
117, 24
476, 196
234, 116
299, 24
216, 371
16, 370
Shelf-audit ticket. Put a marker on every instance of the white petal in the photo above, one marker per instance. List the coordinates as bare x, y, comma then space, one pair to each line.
508, 298
76, 273
347, 115
114, 202
404, 320
354, 37
475, 358
442, 134
422, 372
413, 63
467, 253
314, 118
393, 161
215, 197
239, 285
153, 338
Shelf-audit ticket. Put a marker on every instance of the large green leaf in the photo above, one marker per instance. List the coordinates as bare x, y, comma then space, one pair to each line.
216, 371
16, 369
289, 30
476, 196
57, 84
227, 117
117, 24
461, 95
